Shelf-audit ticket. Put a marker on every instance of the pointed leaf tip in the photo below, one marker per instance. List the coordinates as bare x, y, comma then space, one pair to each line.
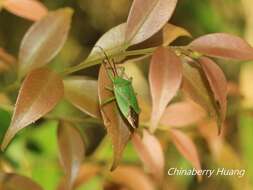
218, 84
186, 147
223, 45
44, 40
147, 17
72, 151
165, 75
34, 101
30, 9
150, 152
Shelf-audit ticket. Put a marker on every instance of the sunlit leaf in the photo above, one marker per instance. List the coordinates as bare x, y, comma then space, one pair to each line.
71, 148
218, 85
182, 114
147, 17
150, 152
132, 178
29, 9
35, 99
44, 40
165, 36
224, 46
112, 43
197, 88
82, 93
9, 181
186, 147
172, 32
165, 76
114, 123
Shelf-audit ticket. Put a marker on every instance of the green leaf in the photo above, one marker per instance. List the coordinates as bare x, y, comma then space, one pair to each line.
34, 100
246, 134
44, 40
5, 119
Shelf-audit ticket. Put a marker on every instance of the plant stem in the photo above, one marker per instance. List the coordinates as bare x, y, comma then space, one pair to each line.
140, 52
14, 86
91, 62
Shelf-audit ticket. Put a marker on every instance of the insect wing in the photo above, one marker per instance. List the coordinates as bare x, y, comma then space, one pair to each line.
127, 102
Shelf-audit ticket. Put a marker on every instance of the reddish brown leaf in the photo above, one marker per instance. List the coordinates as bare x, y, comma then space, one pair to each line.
182, 114
44, 40
39, 93
132, 178
9, 181
150, 152
114, 123
29, 9
224, 46
71, 148
147, 17
165, 76
218, 84
197, 88
82, 93
186, 147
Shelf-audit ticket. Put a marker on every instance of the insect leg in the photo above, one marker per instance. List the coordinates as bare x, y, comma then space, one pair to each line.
109, 89
109, 100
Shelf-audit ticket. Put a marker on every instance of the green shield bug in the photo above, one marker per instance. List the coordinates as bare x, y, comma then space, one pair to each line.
123, 91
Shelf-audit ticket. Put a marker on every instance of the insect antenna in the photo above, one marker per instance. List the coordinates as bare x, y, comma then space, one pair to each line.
114, 66
107, 60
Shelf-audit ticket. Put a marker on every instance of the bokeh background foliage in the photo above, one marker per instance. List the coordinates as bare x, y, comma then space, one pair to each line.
34, 151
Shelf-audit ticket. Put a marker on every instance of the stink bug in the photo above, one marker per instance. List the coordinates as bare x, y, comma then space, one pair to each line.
123, 91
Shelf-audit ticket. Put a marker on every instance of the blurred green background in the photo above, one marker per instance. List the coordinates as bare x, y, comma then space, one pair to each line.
34, 151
